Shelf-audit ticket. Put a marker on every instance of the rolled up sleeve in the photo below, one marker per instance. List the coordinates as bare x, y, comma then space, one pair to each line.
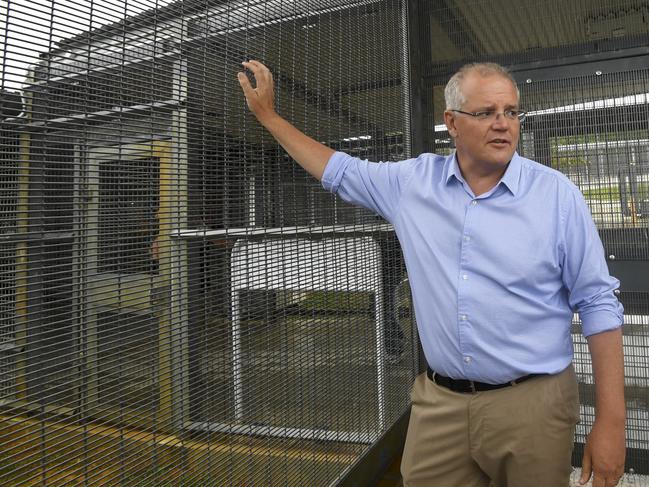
585, 273
374, 185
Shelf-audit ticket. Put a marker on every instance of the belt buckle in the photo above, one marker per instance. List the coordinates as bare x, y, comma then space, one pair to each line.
472, 385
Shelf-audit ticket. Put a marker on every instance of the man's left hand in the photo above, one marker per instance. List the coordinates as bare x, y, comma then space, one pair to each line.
604, 454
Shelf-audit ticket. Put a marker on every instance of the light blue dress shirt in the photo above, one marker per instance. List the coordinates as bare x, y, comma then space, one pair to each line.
495, 278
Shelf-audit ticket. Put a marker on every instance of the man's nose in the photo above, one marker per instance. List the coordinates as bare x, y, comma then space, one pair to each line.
500, 121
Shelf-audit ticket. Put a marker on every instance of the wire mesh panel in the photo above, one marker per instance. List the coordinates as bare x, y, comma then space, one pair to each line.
582, 69
10, 150
180, 303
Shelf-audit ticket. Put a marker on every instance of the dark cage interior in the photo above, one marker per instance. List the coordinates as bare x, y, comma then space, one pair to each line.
181, 304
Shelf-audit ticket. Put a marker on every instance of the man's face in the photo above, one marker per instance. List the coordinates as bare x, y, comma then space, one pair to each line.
489, 144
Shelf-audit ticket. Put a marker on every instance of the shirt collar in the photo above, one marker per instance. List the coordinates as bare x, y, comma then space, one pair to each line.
453, 169
510, 179
512, 175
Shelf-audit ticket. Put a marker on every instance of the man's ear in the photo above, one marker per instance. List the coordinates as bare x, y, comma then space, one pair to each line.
449, 120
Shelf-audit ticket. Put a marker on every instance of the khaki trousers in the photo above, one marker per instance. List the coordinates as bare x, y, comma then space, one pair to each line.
518, 436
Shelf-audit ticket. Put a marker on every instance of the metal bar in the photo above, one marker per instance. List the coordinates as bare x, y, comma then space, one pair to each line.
286, 231
633, 274
587, 64
417, 26
102, 116
283, 432
72, 76
380, 355
555, 56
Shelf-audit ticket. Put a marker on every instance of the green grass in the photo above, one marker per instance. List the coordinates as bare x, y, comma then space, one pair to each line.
613, 192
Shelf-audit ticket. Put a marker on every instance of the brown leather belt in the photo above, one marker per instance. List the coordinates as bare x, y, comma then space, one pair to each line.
471, 386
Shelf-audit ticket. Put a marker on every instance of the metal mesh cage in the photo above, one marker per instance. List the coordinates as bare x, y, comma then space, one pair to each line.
181, 304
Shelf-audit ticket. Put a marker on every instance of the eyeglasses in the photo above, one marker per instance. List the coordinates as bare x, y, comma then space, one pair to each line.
491, 115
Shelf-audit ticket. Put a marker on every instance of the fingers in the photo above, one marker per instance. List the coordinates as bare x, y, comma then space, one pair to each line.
256, 67
245, 83
261, 72
611, 480
599, 479
258, 89
255, 63
252, 67
605, 481
586, 470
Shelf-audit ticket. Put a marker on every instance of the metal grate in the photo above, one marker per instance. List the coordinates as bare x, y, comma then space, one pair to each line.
180, 303
165, 314
593, 128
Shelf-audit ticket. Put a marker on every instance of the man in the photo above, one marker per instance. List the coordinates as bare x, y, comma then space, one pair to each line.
500, 252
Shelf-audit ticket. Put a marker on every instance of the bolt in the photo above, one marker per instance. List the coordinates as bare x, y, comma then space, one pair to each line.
598, 73
611, 257
528, 80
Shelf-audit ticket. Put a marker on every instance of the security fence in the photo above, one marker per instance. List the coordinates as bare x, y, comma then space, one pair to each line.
181, 304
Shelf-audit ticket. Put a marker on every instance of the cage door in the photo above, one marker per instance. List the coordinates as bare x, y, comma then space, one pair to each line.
123, 279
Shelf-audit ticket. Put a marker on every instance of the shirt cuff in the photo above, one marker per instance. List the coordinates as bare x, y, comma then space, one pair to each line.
600, 321
334, 172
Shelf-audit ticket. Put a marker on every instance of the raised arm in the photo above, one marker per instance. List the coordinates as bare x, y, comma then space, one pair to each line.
308, 153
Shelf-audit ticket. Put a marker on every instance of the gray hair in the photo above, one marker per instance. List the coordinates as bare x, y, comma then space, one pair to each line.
453, 93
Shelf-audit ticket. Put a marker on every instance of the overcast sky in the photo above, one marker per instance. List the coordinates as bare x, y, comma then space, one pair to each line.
31, 27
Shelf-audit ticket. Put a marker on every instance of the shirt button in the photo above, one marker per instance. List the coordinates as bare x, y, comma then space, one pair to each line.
463, 317
474, 202
465, 277
467, 360
467, 238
